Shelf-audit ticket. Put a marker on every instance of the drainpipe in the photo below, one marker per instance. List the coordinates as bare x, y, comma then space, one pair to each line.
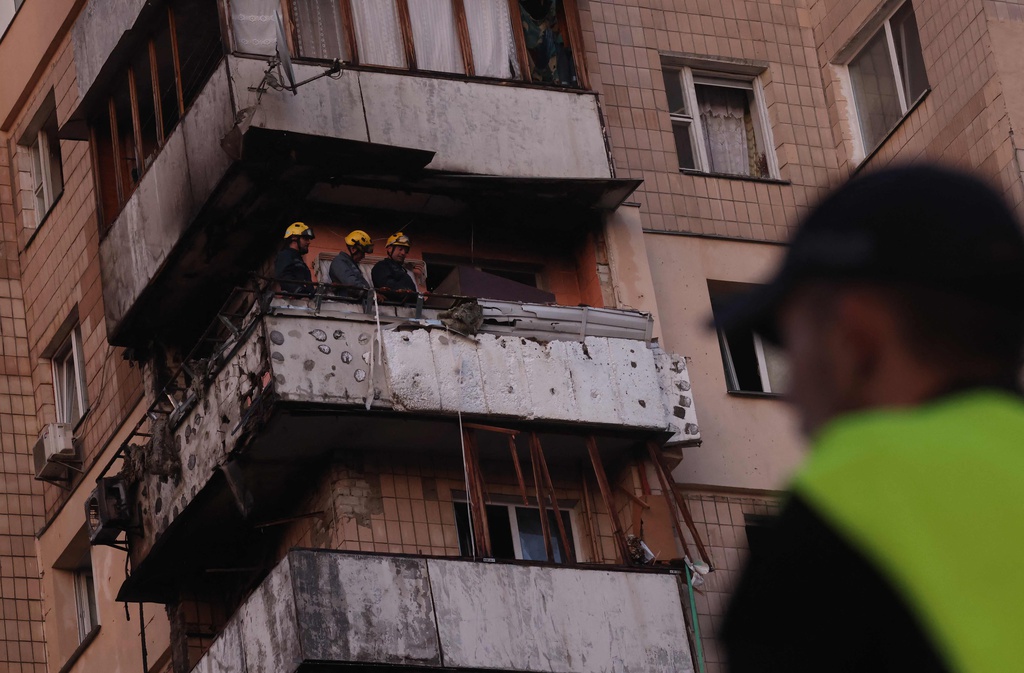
696, 623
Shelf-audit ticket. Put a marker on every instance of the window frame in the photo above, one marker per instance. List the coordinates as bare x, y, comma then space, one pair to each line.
721, 290
129, 75
906, 106
568, 9
40, 146
692, 76
517, 545
86, 606
70, 351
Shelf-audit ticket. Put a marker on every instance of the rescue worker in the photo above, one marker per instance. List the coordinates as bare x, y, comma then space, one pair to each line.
900, 303
390, 277
289, 267
345, 266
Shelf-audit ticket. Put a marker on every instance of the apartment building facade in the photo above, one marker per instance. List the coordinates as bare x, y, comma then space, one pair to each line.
267, 466
737, 116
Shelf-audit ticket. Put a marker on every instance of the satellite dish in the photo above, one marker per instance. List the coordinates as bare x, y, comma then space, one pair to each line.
283, 54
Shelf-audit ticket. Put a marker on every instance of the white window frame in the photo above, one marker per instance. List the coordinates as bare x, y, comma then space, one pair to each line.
513, 518
732, 379
86, 609
70, 352
856, 126
689, 77
41, 169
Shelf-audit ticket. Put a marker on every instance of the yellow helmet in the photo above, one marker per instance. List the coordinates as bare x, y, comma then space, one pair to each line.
399, 239
298, 229
360, 240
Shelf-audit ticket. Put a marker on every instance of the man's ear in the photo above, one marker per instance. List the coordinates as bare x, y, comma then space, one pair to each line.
866, 327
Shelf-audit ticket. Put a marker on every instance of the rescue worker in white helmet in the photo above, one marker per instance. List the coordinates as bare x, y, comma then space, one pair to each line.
390, 276
345, 267
289, 267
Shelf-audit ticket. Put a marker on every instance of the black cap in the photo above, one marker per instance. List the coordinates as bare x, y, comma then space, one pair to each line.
917, 224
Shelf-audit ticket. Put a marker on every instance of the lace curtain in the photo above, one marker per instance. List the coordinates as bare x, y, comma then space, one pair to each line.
319, 30
728, 130
490, 37
377, 33
434, 36
254, 26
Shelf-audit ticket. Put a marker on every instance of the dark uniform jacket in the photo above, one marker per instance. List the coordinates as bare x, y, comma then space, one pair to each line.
292, 272
344, 271
391, 275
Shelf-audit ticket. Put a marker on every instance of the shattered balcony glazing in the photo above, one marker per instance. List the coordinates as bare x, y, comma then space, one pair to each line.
338, 608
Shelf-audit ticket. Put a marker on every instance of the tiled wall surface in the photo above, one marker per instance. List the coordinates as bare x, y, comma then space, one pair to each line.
721, 521
45, 271
59, 262
625, 44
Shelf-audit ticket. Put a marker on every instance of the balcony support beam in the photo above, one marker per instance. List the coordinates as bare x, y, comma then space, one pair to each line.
606, 495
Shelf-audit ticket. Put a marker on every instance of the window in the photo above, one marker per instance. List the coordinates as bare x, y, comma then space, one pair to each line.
719, 123
148, 98
85, 600
516, 532
752, 365
531, 40
887, 76
69, 379
42, 148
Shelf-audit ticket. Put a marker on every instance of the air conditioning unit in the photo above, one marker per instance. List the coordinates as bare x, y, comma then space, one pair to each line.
106, 511
54, 450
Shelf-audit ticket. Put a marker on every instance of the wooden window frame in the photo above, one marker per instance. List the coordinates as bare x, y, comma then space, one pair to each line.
568, 10
123, 192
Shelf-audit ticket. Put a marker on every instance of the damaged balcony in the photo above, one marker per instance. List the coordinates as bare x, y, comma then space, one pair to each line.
297, 381
319, 609
198, 168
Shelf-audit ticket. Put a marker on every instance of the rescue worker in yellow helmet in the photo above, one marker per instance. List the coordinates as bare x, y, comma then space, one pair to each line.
345, 267
289, 267
390, 276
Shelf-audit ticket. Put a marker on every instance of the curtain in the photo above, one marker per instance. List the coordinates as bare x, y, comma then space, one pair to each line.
377, 33
490, 36
722, 114
254, 26
319, 29
434, 36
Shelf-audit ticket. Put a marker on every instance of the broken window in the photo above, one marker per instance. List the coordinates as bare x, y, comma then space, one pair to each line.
45, 159
439, 267
516, 532
887, 76
751, 364
548, 46
719, 123
148, 98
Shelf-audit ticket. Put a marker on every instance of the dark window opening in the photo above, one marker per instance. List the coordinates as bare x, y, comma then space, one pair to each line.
751, 364
439, 267
548, 46
758, 528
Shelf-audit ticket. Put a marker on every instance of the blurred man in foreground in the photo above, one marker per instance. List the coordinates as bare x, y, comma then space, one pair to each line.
901, 305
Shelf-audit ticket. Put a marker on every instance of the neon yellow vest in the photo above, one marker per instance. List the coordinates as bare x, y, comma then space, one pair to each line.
934, 497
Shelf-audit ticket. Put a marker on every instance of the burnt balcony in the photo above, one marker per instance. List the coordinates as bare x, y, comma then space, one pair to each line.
321, 608
298, 380
192, 201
